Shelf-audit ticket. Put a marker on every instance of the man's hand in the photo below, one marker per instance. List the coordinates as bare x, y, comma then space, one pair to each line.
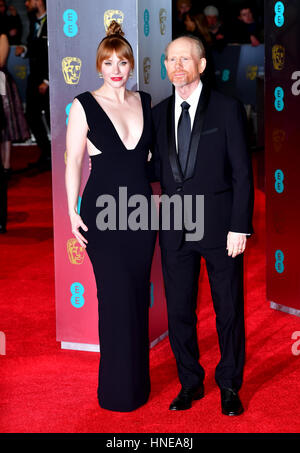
43, 87
19, 50
254, 41
236, 243
12, 32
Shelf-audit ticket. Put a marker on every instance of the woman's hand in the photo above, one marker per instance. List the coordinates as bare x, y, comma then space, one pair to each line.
76, 223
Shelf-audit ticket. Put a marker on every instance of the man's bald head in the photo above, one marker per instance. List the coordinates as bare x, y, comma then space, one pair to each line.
196, 43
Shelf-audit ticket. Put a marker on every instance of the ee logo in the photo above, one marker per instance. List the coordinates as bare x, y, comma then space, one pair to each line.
279, 257
163, 71
77, 299
146, 23
151, 295
67, 110
279, 95
279, 17
79, 205
225, 75
279, 177
70, 18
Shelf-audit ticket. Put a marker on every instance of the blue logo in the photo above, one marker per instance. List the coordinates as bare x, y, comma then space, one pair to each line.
225, 75
79, 205
163, 71
151, 294
279, 257
70, 18
77, 299
146, 23
279, 95
279, 11
67, 110
279, 177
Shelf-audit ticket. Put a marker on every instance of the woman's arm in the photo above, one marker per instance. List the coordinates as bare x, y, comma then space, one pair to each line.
4, 50
76, 144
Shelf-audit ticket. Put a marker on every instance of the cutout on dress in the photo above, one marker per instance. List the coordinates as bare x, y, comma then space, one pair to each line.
92, 149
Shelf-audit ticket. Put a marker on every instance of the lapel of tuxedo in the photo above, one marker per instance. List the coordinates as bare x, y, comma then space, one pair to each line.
196, 131
195, 136
175, 166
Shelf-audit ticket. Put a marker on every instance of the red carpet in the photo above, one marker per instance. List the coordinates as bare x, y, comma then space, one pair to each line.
44, 389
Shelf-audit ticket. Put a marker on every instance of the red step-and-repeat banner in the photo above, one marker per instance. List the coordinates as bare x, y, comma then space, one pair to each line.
75, 29
282, 107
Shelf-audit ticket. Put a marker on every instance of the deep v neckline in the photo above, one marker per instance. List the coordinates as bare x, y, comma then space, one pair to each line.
113, 126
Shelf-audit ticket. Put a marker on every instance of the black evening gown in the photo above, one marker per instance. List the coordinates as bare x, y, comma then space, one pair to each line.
121, 259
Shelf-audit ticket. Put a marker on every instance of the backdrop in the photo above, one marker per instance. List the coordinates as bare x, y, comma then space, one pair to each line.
75, 29
282, 103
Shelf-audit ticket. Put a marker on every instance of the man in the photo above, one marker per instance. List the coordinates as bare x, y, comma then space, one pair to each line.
246, 29
201, 149
216, 28
11, 22
37, 96
182, 8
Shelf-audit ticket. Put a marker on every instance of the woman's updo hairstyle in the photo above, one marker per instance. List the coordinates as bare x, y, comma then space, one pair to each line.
114, 42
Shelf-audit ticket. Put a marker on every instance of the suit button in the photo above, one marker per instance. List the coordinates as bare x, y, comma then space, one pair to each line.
179, 189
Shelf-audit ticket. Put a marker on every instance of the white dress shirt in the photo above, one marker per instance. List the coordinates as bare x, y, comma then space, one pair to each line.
193, 100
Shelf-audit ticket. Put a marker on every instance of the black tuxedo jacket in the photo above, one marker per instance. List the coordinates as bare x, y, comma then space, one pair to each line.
37, 52
219, 167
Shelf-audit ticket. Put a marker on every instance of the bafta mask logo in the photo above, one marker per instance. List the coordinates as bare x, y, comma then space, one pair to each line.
278, 56
75, 251
147, 67
278, 138
113, 14
20, 72
251, 72
71, 68
162, 20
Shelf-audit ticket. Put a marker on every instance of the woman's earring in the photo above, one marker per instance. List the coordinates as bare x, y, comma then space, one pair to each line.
131, 74
100, 75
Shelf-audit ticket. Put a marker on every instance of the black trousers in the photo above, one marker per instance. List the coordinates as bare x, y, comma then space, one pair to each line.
181, 274
36, 103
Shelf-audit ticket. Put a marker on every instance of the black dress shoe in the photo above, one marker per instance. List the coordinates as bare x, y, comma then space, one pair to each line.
185, 398
7, 172
230, 402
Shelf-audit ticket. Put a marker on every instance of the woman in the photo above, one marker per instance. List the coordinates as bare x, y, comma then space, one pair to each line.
115, 125
196, 25
16, 129
3, 179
